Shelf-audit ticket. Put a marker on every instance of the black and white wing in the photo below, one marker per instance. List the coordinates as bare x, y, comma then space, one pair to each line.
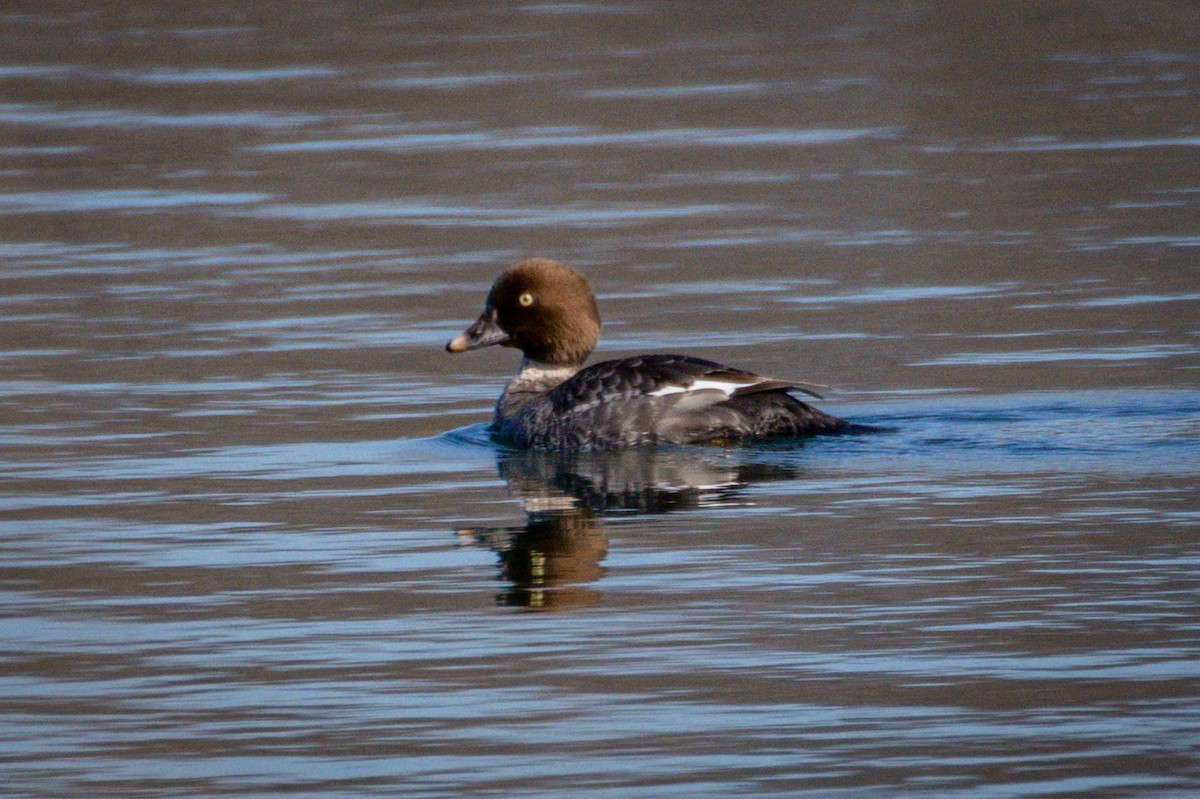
693, 382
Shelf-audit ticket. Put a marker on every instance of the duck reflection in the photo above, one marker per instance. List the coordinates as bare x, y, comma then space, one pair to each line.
551, 561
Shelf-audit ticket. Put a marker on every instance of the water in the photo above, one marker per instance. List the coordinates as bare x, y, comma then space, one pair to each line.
256, 542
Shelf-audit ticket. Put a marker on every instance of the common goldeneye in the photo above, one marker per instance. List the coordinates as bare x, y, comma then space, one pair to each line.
548, 311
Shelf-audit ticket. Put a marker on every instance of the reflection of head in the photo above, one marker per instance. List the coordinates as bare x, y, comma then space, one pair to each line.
550, 561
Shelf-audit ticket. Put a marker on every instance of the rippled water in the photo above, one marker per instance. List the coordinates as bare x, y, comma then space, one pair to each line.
255, 540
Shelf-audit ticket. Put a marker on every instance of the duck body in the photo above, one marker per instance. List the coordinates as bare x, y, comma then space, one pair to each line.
548, 311
651, 399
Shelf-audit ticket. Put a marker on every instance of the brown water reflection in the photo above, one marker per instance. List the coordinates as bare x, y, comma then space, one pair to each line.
233, 455
551, 560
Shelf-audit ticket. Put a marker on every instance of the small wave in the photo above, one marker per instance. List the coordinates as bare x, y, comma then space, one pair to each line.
472, 435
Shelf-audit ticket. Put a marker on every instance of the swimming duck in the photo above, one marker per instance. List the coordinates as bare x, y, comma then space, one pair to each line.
548, 311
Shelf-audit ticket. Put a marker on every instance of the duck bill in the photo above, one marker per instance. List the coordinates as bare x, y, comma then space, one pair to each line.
484, 333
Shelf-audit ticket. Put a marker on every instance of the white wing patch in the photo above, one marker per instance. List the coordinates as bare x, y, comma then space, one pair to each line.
724, 386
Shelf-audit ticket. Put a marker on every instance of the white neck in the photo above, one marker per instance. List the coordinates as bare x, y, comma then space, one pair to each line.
535, 376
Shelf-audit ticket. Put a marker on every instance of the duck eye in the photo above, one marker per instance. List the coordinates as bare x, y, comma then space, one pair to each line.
525, 299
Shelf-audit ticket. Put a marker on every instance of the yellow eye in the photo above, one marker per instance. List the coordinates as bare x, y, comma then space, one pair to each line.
525, 299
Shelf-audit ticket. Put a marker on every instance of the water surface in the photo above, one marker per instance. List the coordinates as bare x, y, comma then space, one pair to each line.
256, 541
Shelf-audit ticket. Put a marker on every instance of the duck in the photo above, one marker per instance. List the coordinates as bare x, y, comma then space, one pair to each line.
548, 311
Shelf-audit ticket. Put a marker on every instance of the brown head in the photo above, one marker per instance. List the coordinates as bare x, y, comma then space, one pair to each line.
543, 309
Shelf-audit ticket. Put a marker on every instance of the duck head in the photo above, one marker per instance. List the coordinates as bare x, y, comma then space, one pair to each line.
542, 308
